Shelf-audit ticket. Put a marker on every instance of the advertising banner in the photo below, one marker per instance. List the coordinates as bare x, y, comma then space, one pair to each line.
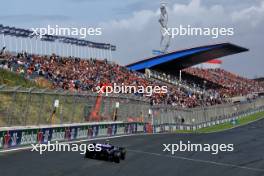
1, 139
22, 137
103, 130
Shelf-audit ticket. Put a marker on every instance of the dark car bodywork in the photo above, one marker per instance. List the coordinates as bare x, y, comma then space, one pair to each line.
108, 152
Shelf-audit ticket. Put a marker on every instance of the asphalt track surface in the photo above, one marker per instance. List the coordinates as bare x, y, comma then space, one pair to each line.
145, 157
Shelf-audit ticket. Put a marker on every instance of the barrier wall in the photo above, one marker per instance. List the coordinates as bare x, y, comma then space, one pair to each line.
191, 116
11, 137
22, 137
172, 127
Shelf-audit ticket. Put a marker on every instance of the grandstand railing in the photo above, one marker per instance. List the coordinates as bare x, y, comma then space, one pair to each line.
175, 81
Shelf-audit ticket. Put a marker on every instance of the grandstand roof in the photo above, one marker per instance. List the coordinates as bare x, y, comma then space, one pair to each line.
178, 60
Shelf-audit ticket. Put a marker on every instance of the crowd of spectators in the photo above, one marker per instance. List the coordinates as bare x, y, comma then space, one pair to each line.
230, 84
76, 74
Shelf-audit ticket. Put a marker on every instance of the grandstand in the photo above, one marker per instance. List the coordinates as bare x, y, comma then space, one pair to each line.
193, 87
185, 69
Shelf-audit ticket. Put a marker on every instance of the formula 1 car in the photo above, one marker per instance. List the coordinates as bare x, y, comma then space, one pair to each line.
108, 152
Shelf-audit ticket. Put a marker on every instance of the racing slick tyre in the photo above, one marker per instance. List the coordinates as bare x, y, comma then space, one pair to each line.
88, 154
116, 157
123, 154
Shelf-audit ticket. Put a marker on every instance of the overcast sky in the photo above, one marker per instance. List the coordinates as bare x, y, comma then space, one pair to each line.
132, 25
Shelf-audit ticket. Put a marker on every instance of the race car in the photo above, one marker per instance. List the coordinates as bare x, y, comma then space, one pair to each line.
108, 152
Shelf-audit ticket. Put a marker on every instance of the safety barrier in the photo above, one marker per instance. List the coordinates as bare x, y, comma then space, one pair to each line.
171, 127
18, 137
11, 137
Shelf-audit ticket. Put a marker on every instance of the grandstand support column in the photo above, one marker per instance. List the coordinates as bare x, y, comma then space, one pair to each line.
83, 52
98, 53
45, 47
70, 49
101, 53
40, 44
64, 49
78, 49
90, 51
110, 54
21, 45
49, 48
74, 51
4, 43
104, 53
30, 41
25, 40
67, 50
9, 44
95, 54
36, 46
55, 46
95, 51
89, 54
92, 54
60, 48
16, 40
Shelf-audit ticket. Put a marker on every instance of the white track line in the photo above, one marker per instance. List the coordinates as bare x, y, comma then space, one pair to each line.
201, 161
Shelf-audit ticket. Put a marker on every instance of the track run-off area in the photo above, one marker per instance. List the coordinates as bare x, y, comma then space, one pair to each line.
145, 157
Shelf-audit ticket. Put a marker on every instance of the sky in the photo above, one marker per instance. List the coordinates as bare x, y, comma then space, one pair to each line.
132, 25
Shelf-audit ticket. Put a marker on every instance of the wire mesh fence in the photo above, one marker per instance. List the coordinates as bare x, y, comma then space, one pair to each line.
173, 115
30, 106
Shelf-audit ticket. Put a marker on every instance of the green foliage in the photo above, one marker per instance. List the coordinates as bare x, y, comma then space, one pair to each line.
13, 79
